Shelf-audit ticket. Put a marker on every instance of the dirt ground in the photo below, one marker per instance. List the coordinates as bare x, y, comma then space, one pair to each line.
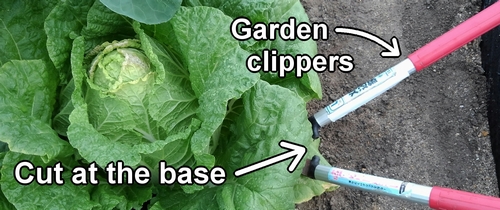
431, 129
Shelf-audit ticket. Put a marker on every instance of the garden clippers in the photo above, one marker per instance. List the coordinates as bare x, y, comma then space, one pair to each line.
417, 61
435, 197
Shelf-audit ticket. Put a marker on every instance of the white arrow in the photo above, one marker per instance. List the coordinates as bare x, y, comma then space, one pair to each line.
393, 50
295, 151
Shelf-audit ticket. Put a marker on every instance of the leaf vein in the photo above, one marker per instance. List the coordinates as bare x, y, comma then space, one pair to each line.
13, 40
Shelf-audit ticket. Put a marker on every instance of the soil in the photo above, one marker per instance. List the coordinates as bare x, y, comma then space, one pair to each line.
431, 129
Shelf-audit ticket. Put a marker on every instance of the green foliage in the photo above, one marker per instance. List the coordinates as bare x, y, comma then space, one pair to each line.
145, 11
145, 81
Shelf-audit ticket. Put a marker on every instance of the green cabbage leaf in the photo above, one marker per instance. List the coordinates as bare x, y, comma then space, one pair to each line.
86, 82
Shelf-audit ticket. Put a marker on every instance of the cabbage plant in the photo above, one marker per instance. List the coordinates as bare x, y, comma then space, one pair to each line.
87, 82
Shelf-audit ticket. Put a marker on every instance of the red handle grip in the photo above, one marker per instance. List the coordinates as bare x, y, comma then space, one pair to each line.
456, 37
449, 199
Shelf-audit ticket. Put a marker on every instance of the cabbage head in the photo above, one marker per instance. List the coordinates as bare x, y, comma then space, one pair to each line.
89, 83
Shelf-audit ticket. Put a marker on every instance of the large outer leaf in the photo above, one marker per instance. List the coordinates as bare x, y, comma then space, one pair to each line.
255, 136
27, 94
28, 135
30, 86
112, 118
212, 46
62, 25
121, 196
145, 11
4, 203
173, 102
256, 10
21, 37
205, 199
221, 75
170, 103
308, 87
102, 22
46, 197
174, 149
267, 11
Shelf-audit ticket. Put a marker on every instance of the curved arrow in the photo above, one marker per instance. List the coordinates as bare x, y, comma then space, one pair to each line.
393, 50
295, 151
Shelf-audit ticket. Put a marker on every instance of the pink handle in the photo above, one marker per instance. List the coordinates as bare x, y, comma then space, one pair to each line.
449, 199
456, 37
